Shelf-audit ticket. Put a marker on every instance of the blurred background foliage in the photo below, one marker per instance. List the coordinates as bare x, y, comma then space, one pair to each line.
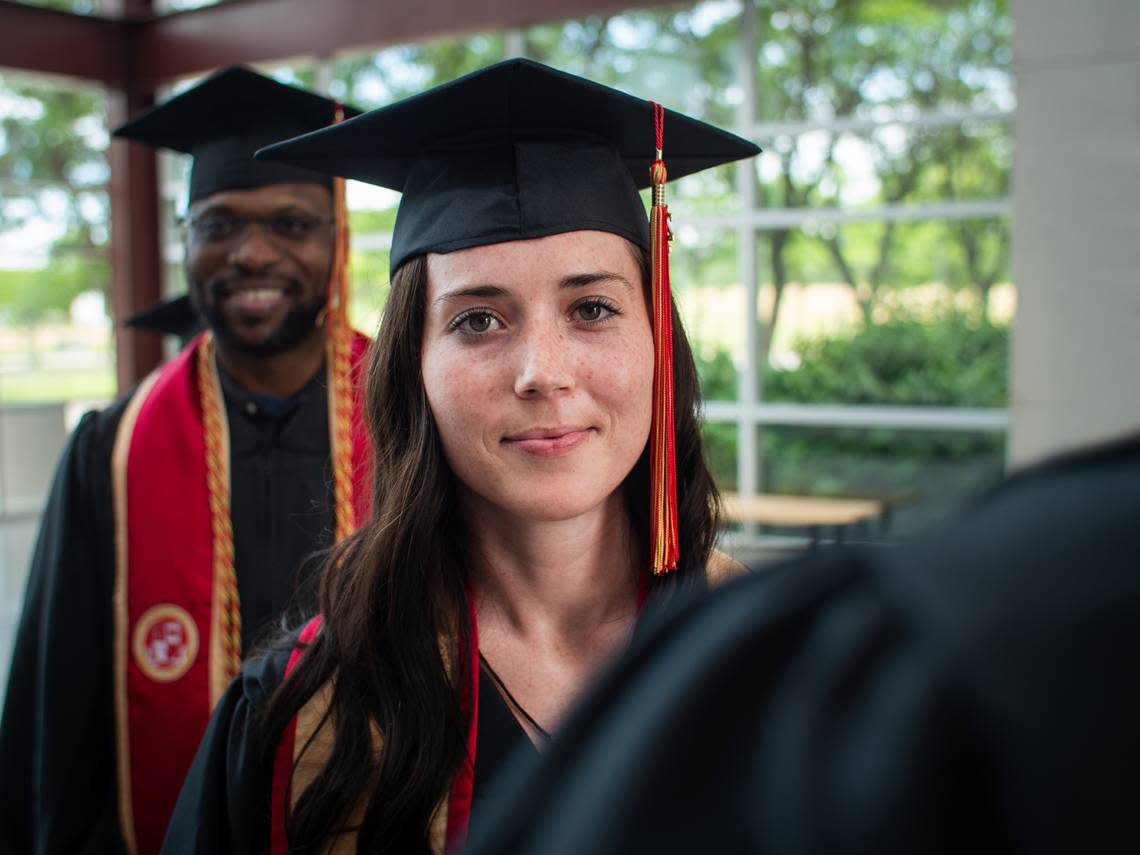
907, 311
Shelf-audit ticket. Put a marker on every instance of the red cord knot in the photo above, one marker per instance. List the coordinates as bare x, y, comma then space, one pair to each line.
657, 173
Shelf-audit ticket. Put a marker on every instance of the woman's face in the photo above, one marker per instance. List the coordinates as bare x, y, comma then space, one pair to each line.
538, 364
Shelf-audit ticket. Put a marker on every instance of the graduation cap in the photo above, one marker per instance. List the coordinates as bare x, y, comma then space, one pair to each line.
170, 317
223, 120
517, 150
520, 150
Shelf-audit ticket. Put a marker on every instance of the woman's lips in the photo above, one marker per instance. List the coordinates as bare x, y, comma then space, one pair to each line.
548, 442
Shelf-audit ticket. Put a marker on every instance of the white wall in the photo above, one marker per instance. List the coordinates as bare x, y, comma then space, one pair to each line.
1075, 375
31, 439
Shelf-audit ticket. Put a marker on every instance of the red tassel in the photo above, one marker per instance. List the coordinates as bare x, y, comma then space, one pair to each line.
664, 544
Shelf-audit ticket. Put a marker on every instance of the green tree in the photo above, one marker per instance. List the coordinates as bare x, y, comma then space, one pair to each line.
29, 298
822, 59
53, 170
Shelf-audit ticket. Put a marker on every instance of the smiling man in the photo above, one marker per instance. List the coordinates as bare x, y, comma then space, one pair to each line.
186, 518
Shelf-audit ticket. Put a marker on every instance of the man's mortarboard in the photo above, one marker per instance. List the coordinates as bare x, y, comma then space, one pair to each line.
517, 151
224, 119
170, 317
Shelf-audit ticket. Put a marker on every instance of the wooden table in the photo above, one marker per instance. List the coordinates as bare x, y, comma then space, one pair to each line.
811, 512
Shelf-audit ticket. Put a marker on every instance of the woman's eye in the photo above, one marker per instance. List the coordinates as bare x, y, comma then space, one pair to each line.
593, 311
475, 322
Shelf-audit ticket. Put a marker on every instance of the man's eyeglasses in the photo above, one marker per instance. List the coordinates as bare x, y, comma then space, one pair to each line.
221, 228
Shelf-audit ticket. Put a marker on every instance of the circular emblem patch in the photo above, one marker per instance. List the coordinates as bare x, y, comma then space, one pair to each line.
165, 642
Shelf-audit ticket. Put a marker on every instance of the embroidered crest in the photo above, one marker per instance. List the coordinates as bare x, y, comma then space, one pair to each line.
165, 642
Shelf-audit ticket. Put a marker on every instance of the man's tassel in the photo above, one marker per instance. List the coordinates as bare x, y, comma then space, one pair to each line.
340, 351
663, 455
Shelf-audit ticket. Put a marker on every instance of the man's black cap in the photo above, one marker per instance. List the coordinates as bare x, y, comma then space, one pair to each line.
170, 317
223, 120
514, 151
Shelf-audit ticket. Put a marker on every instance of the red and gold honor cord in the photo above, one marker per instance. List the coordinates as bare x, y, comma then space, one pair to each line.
218, 484
664, 544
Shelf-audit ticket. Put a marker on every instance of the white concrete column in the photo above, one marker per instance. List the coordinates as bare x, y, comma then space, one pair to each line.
1075, 373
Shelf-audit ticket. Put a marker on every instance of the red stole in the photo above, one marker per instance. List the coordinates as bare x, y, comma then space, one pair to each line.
448, 831
177, 637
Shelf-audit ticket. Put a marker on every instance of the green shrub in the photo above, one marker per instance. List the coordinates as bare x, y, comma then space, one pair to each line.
949, 360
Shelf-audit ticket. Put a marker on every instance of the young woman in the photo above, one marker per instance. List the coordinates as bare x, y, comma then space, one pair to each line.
522, 509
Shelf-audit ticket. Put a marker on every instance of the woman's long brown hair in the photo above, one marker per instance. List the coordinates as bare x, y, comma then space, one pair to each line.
390, 592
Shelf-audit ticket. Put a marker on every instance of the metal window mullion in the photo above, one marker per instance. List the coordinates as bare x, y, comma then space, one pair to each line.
864, 124
514, 43
860, 416
749, 376
324, 75
790, 218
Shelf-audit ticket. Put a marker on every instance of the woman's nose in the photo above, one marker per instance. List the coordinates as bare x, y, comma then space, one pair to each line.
546, 363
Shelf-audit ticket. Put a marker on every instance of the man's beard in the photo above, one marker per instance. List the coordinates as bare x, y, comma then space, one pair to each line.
295, 327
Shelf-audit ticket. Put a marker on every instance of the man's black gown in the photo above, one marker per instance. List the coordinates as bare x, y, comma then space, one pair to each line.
57, 746
974, 690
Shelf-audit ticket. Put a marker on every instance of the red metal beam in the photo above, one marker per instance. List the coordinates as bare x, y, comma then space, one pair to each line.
51, 42
191, 42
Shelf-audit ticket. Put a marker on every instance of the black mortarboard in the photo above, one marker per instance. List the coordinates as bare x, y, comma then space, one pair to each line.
170, 317
223, 120
517, 150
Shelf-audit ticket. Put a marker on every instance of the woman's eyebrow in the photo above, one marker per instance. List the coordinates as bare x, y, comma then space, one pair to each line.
577, 280
471, 291
581, 280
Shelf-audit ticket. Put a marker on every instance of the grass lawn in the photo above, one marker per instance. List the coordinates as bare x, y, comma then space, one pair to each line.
53, 385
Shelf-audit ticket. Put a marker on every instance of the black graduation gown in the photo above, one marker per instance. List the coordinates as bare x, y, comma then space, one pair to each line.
57, 746
974, 690
224, 804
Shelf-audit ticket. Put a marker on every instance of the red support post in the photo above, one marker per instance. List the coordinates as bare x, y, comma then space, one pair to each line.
136, 248
136, 253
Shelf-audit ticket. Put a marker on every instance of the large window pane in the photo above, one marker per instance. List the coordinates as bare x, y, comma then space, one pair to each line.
919, 162
55, 338
921, 476
819, 59
684, 58
889, 313
711, 303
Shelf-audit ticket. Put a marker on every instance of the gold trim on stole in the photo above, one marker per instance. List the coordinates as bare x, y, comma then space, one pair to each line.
312, 745
121, 639
722, 567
